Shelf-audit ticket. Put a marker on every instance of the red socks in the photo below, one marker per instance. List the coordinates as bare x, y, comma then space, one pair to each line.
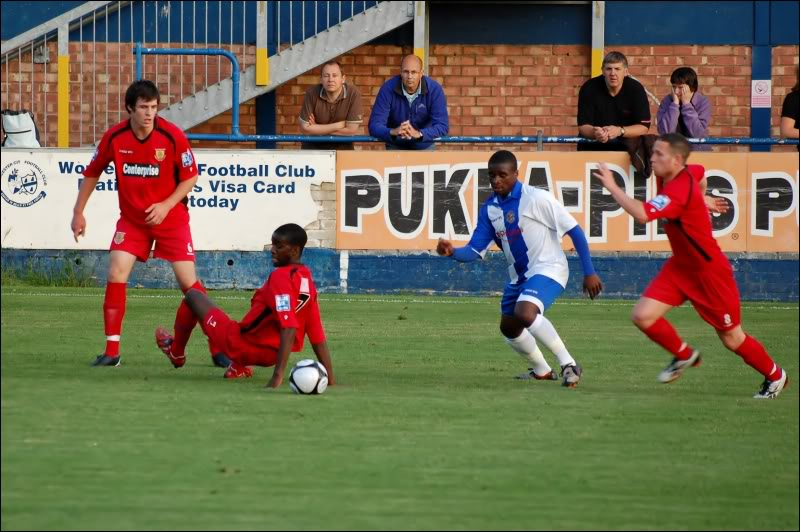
113, 312
755, 356
751, 350
185, 321
665, 335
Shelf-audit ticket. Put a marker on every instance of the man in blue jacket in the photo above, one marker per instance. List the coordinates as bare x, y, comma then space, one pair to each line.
410, 110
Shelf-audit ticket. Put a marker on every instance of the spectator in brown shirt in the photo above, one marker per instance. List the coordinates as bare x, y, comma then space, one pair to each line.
331, 108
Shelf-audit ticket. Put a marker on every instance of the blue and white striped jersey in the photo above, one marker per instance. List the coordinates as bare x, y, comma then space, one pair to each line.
527, 225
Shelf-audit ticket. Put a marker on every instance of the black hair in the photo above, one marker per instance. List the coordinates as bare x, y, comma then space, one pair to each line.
143, 89
678, 144
293, 234
684, 76
503, 157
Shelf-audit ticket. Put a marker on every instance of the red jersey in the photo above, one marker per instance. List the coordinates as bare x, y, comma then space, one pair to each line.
287, 299
687, 220
148, 170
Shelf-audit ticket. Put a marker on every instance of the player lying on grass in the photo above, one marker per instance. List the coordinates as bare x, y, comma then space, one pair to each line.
282, 313
698, 271
527, 224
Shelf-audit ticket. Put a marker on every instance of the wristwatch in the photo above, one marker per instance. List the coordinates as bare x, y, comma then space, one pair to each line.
621, 131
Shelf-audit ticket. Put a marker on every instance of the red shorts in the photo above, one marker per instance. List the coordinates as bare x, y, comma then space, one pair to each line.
713, 293
224, 335
173, 243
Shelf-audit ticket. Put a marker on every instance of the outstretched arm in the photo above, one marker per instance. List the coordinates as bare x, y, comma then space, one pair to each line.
592, 284
466, 254
632, 206
478, 244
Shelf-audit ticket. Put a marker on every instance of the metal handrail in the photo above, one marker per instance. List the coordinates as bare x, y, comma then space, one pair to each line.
139, 51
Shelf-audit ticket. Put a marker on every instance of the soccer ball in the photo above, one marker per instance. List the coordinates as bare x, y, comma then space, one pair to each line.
308, 377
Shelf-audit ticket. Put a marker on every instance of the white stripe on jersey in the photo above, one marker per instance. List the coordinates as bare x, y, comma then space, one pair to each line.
542, 221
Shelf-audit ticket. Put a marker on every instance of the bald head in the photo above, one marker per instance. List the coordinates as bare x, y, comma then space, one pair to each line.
411, 73
414, 59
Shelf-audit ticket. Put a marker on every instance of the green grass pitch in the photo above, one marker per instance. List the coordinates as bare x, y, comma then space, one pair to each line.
426, 429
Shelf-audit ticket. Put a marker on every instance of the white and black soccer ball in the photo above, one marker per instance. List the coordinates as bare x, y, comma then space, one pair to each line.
308, 377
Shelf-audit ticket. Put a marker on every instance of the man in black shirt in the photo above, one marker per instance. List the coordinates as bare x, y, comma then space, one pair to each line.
612, 106
789, 113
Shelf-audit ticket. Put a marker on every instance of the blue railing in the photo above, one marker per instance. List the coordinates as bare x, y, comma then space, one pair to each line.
533, 139
139, 51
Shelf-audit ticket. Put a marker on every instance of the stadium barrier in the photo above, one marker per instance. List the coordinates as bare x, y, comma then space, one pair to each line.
242, 195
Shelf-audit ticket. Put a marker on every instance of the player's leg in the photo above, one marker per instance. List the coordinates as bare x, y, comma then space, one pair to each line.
756, 356
717, 302
222, 332
246, 356
128, 245
175, 245
174, 346
199, 304
648, 316
520, 340
665, 292
539, 293
119, 270
185, 319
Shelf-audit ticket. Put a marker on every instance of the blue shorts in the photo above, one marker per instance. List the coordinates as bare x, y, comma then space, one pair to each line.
540, 290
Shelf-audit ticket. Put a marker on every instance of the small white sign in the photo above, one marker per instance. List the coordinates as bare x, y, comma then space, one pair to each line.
761, 93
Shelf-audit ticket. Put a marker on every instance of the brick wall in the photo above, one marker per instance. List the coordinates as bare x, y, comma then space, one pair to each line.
99, 75
491, 90
518, 90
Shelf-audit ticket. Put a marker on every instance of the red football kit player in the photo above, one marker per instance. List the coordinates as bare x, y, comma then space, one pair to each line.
155, 170
698, 271
282, 313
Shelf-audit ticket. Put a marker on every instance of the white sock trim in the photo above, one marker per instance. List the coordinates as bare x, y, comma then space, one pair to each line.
113, 338
525, 345
544, 331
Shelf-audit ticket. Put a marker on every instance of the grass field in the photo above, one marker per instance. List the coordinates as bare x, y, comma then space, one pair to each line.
426, 430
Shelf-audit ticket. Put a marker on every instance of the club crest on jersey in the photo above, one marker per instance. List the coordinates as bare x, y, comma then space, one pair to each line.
119, 237
510, 218
187, 159
282, 303
660, 202
161, 154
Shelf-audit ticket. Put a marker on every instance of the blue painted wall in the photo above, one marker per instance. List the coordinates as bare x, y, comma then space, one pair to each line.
506, 23
679, 23
624, 276
784, 28
19, 17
